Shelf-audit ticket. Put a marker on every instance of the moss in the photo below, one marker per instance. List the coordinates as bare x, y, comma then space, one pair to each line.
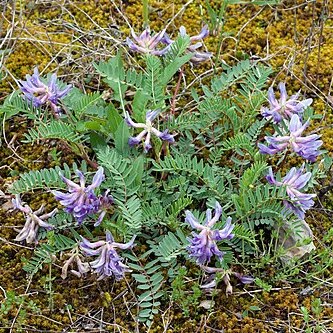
285, 35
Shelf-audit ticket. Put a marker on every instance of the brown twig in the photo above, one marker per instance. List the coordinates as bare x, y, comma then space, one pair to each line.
173, 101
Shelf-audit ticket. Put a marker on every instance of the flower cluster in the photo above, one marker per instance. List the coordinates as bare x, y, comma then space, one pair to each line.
147, 44
40, 93
81, 200
294, 181
194, 44
75, 257
203, 245
34, 220
287, 113
147, 130
304, 146
284, 108
212, 283
108, 262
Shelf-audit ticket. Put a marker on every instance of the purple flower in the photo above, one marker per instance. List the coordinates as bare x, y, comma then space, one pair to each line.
194, 44
104, 203
294, 181
34, 220
147, 130
40, 93
108, 262
203, 245
146, 43
284, 108
304, 146
75, 257
81, 200
245, 279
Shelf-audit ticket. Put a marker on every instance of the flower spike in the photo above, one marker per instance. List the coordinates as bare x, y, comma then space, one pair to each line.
147, 130
203, 245
34, 220
40, 93
284, 108
194, 44
75, 257
147, 43
108, 263
304, 146
82, 201
294, 181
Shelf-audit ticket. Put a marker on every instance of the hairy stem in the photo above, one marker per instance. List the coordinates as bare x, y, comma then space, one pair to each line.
145, 12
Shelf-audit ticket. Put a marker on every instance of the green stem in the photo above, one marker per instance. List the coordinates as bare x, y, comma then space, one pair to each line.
145, 12
50, 292
220, 28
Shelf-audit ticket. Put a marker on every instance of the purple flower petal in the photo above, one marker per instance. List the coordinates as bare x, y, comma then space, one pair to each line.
192, 221
284, 108
245, 279
147, 130
166, 136
295, 180
203, 245
203, 34
146, 43
34, 220
306, 147
97, 180
40, 93
80, 200
151, 115
108, 263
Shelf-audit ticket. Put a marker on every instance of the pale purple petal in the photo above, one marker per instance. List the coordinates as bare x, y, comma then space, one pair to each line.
284, 108
34, 220
192, 221
245, 279
166, 136
97, 180
146, 43
82, 201
217, 215
226, 232
148, 129
40, 93
203, 34
270, 177
299, 202
203, 246
151, 115
127, 245
146, 145
182, 31
108, 263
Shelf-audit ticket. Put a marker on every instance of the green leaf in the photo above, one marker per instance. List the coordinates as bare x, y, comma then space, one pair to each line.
140, 101
121, 137
92, 125
138, 168
97, 141
143, 286
173, 67
114, 118
82, 103
114, 72
56, 129
140, 278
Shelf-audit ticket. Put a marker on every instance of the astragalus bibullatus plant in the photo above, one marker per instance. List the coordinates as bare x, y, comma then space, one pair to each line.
169, 174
